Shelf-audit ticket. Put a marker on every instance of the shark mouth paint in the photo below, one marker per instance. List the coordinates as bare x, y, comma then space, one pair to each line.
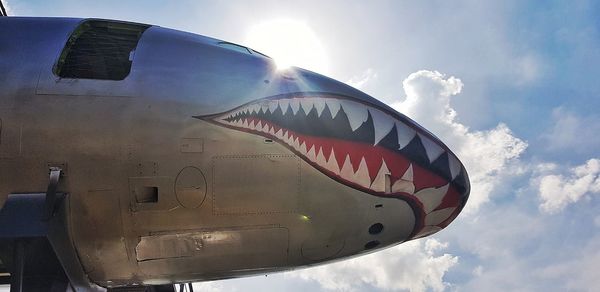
363, 146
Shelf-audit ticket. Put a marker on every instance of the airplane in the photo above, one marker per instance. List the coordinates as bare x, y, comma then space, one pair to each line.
135, 158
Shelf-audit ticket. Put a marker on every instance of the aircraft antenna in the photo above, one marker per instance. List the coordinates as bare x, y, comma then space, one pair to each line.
3, 12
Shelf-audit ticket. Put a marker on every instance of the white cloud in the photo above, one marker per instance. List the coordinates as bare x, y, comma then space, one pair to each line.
557, 190
572, 132
359, 81
478, 271
487, 155
415, 266
526, 69
580, 272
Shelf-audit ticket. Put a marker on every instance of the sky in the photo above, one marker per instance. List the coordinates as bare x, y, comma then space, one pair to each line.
511, 86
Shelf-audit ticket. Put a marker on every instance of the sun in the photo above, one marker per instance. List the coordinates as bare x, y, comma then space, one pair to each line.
289, 43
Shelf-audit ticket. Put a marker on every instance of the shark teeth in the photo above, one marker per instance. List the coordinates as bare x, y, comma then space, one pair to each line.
454, 165
405, 134
284, 104
333, 105
427, 230
356, 112
332, 164
405, 183
289, 118
432, 149
431, 197
439, 216
382, 183
382, 123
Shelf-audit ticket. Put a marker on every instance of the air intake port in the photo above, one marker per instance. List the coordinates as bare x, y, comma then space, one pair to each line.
376, 228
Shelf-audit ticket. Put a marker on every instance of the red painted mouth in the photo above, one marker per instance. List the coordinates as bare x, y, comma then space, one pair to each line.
365, 147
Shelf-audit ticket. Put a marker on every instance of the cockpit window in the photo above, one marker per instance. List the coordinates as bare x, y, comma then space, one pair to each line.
235, 47
100, 49
259, 53
241, 49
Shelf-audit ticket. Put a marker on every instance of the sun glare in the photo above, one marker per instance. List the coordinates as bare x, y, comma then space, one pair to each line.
289, 43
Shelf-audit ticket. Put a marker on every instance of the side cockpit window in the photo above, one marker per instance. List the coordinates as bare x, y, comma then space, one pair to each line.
241, 49
235, 47
100, 49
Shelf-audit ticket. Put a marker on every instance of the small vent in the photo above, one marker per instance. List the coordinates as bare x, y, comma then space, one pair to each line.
100, 49
146, 195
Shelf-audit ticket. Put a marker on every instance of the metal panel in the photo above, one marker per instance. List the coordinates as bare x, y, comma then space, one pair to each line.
196, 252
256, 184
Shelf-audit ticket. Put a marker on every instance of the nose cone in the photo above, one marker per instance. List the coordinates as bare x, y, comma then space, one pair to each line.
363, 145
441, 184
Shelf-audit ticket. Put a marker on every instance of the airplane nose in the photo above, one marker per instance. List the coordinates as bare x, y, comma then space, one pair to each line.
364, 145
448, 190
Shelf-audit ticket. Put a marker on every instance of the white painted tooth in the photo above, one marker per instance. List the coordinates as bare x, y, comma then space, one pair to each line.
264, 106
306, 104
405, 186
239, 123
332, 164
273, 106
432, 149
431, 197
245, 124
408, 174
279, 134
302, 148
347, 172
297, 143
254, 108
439, 216
321, 160
405, 134
361, 176
284, 104
265, 128
382, 123
258, 126
311, 154
295, 104
405, 183
356, 112
454, 165
382, 183
427, 230
272, 131
319, 104
334, 106
252, 126
290, 139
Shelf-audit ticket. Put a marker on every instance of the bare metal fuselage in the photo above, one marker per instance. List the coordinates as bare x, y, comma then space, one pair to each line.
162, 189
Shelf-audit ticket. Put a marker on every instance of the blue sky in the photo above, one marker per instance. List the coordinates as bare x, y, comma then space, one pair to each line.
512, 86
